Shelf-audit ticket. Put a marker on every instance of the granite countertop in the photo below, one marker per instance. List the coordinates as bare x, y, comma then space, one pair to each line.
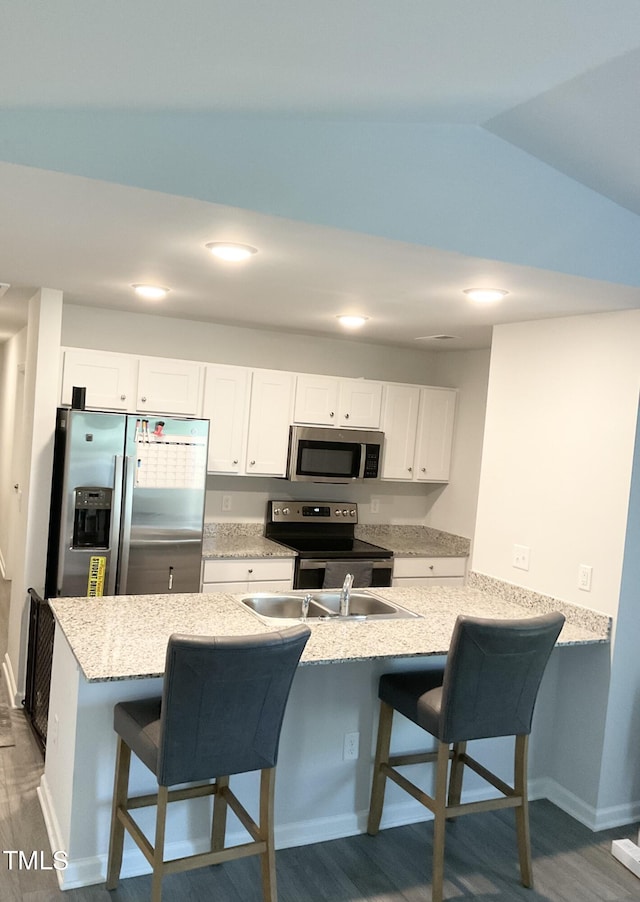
125, 637
239, 540
415, 541
246, 540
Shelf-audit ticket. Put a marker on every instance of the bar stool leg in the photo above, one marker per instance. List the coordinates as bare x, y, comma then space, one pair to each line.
120, 792
158, 849
439, 814
379, 778
219, 822
457, 771
268, 858
522, 812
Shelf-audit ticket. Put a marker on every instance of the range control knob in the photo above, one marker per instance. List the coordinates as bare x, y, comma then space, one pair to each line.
276, 510
337, 512
286, 511
352, 512
345, 513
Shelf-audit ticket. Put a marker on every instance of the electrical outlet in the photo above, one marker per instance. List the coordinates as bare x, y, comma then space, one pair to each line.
584, 577
351, 746
375, 505
521, 556
226, 502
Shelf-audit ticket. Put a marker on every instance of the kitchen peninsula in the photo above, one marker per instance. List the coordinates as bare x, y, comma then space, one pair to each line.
112, 649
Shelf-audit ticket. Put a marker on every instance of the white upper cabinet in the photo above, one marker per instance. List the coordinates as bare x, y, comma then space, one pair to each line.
418, 428
330, 401
169, 386
435, 433
269, 418
126, 382
226, 395
109, 379
399, 424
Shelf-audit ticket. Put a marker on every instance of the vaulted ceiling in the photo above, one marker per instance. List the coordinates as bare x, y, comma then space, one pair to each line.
382, 157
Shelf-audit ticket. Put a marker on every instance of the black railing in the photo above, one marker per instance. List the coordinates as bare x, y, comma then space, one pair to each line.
39, 660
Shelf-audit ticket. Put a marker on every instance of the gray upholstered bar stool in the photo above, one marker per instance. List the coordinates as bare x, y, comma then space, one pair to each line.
488, 688
221, 712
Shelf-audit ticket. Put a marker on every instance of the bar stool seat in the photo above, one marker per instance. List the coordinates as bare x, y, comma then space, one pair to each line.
487, 688
220, 713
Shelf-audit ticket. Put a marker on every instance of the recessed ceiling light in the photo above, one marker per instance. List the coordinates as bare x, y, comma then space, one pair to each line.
352, 322
151, 292
228, 250
485, 294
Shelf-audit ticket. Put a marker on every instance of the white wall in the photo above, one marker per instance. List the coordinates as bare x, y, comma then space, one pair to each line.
12, 356
558, 451
556, 474
453, 508
163, 336
31, 526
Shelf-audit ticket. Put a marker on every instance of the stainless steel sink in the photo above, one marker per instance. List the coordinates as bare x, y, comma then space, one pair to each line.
281, 606
324, 604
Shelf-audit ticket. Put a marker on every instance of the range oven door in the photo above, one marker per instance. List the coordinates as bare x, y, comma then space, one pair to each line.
309, 573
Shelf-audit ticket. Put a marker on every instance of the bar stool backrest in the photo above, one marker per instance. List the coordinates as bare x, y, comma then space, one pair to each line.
223, 703
493, 674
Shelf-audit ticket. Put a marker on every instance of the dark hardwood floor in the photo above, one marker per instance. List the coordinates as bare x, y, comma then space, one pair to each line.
571, 864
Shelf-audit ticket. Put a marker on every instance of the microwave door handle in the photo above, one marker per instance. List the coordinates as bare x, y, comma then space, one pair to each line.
363, 460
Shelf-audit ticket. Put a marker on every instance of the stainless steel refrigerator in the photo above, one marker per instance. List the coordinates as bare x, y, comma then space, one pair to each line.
127, 504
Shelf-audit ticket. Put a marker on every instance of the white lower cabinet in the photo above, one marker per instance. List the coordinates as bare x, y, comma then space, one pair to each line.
247, 575
428, 571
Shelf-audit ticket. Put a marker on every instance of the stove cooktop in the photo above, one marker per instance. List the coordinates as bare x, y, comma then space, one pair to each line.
334, 547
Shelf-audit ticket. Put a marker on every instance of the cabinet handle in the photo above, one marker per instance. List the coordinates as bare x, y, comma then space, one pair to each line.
253, 463
410, 469
143, 398
250, 570
423, 469
346, 416
235, 461
123, 397
331, 414
430, 566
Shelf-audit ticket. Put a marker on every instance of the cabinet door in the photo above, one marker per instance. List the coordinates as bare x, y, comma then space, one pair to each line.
169, 386
316, 400
399, 423
225, 405
360, 403
270, 412
109, 379
435, 434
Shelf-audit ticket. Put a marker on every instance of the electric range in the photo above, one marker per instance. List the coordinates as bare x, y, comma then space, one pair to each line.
324, 532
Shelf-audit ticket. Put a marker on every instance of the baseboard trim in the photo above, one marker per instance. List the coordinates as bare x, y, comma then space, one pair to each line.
15, 699
89, 871
594, 818
51, 824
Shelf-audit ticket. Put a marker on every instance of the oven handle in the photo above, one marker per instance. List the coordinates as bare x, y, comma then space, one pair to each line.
379, 564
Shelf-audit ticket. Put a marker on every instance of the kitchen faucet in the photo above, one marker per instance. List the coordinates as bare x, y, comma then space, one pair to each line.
345, 595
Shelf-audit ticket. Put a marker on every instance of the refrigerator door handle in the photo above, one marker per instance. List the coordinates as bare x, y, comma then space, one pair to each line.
125, 528
114, 537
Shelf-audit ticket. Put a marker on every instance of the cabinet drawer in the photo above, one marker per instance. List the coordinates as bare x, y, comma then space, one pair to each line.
429, 566
245, 570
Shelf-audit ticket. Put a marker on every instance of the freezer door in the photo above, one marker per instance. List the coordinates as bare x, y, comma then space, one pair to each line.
91, 492
163, 507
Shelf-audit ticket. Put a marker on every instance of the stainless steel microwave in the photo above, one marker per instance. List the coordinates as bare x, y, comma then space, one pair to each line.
317, 454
